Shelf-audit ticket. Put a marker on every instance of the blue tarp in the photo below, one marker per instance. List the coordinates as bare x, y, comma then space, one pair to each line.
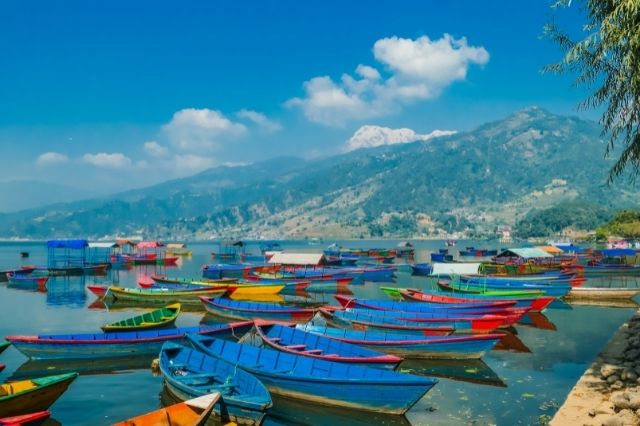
618, 252
67, 244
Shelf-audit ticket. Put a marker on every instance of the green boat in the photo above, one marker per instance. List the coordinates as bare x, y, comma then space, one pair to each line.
158, 318
27, 396
452, 287
4, 345
162, 295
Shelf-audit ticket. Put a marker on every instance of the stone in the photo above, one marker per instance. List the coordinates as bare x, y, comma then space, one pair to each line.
632, 354
605, 407
609, 370
634, 402
631, 376
617, 385
620, 401
612, 421
612, 379
637, 369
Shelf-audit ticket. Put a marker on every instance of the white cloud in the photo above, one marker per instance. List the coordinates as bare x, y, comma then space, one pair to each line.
49, 158
261, 120
115, 160
154, 149
197, 129
191, 163
418, 70
371, 136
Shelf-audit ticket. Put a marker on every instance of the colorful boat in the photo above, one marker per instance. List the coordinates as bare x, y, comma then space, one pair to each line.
32, 419
410, 345
555, 289
222, 270
113, 345
27, 280
4, 345
237, 288
319, 381
422, 269
161, 295
451, 287
459, 309
189, 373
296, 341
461, 323
17, 398
366, 322
158, 318
251, 310
178, 249
477, 252
535, 304
193, 412
97, 289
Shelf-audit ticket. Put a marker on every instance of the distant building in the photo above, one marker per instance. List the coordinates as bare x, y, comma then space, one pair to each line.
504, 233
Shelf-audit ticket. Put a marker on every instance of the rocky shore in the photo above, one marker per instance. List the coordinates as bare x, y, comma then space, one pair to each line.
608, 393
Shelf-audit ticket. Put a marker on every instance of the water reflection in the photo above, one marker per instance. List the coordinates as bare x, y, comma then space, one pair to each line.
511, 342
470, 370
37, 368
66, 291
537, 320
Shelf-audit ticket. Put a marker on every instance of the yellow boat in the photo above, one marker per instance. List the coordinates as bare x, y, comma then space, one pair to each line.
194, 412
157, 318
27, 396
178, 250
273, 298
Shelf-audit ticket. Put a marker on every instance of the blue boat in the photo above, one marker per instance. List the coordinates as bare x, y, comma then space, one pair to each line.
233, 309
222, 270
410, 345
558, 289
470, 323
189, 373
320, 381
422, 269
295, 341
111, 345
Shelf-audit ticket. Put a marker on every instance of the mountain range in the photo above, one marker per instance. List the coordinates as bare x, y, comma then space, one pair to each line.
467, 182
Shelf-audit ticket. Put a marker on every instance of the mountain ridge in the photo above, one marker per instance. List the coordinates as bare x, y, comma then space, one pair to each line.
468, 182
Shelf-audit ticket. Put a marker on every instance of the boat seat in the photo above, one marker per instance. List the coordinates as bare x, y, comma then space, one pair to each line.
313, 351
295, 346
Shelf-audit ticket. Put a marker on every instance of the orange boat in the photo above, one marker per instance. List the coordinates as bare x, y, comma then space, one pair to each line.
194, 412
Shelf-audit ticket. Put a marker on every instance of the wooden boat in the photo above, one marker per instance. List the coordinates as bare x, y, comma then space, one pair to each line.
112, 345
161, 295
477, 252
97, 289
221, 270
459, 309
296, 341
320, 381
4, 345
178, 250
189, 373
535, 304
193, 412
166, 280
451, 287
555, 289
31, 419
97, 269
22, 270
26, 396
251, 310
157, 318
27, 280
239, 289
411, 345
367, 322
608, 293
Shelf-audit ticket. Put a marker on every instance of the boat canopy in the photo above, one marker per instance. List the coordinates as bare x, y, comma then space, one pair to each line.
67, 244
176, 245
618, 252
281, 258
470, 268
553, 250
524, 253
121, 243
149, 244
102, 245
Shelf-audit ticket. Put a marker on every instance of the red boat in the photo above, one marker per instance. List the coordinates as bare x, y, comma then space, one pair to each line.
26, 419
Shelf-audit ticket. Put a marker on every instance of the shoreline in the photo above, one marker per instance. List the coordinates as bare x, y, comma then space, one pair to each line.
608, 393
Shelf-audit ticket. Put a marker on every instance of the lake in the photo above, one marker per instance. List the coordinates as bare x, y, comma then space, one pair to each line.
521, 385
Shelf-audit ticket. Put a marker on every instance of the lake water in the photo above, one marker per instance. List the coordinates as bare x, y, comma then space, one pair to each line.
522, 385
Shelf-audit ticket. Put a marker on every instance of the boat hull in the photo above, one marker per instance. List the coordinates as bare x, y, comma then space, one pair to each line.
37, 399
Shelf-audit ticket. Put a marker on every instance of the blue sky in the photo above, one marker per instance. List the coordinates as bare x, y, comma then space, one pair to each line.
116, 95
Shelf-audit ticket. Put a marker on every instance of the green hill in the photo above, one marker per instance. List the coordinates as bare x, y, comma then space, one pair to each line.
473, 181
